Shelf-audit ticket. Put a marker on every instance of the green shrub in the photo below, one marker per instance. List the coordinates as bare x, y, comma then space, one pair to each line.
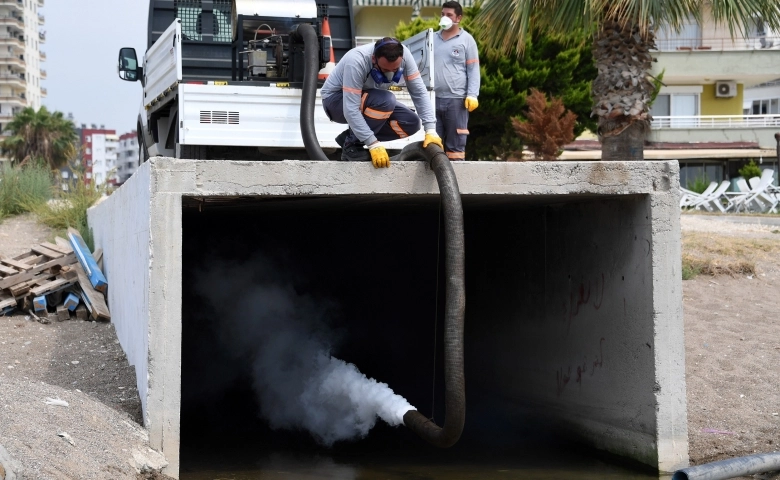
69, 209
749, 170
22, 188
699, 184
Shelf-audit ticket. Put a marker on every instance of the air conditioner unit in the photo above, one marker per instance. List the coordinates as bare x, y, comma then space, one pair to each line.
726, 89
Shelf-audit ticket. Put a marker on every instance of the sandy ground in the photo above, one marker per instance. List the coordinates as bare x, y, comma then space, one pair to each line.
81, 363
732, 340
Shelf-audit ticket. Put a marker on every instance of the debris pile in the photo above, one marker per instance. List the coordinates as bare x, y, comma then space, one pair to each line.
55, 281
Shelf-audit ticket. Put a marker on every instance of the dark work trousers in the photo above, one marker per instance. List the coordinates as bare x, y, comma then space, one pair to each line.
452, 121
385, 117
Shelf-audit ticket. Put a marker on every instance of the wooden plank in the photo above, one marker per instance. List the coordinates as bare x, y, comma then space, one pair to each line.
94, 298
71, 302
16, 264
6, 282
63, 313
61, 242
98, 255
21, 288
87, 261
81, 312
53, 286
8, 270
7, 301
46, 251
39, 304
64, 249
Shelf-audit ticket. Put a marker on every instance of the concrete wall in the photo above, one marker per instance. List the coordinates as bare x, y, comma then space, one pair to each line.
602, 352
121, 227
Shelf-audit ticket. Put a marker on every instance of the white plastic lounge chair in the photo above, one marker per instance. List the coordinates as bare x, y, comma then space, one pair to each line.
690, 198
759, 198
713, 202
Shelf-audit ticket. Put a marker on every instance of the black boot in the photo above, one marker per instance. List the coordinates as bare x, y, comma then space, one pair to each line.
342, 137
354, 152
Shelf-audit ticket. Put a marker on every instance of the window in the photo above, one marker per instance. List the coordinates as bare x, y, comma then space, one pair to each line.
683, 104
661, 106
765, 106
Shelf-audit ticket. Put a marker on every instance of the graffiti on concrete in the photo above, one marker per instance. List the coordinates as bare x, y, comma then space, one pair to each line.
564, 375
588, 293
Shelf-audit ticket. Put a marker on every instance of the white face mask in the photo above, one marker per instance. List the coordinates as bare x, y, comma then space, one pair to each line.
446, 23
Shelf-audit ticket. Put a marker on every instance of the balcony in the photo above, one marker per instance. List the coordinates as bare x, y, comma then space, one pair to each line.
12, 21
15, 4
12, 60
40, 3
43, 92
726, 44
14, 80
43, 74
15, 100
42, 55
42, 37
716, 128
41, 20
11, 40
697, 65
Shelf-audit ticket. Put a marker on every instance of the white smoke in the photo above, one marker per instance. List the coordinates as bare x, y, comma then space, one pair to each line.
299, 384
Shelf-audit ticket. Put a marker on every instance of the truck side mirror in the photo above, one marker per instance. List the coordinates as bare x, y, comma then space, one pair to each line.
128, 68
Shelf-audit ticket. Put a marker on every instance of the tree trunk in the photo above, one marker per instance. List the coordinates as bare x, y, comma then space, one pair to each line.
622, 89
627, 145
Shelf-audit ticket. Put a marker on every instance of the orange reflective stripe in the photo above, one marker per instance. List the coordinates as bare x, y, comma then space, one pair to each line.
363, 101
352, 90
473, 60
370, 112
462, 131
397, 129
456, 155
413, 76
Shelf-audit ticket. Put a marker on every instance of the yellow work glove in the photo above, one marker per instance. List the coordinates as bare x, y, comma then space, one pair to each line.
432, 137
379, 156
471, 103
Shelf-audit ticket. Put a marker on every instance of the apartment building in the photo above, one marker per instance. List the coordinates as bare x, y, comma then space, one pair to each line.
700, 114
99, 153
20, 57
127, 156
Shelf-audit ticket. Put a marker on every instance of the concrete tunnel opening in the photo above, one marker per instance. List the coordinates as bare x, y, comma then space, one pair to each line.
550, 339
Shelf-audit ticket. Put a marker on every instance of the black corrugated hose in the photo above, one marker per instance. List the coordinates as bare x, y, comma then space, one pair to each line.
455, 298
311, 69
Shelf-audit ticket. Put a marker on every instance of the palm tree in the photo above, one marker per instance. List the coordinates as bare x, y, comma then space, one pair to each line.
40, 135
623, 36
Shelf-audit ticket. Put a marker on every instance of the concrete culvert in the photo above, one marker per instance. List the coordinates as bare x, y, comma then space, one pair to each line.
572, 272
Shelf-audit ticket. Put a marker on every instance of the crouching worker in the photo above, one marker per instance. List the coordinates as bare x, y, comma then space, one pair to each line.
357, 93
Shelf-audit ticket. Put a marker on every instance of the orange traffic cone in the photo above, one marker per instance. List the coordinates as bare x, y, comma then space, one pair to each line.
332, 63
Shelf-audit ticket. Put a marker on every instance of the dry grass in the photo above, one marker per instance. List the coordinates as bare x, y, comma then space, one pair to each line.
714, 254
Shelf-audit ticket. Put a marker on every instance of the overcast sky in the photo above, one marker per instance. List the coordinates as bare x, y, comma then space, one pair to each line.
83, 39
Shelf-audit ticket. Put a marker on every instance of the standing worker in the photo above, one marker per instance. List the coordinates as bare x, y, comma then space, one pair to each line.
357, 93
456, 63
